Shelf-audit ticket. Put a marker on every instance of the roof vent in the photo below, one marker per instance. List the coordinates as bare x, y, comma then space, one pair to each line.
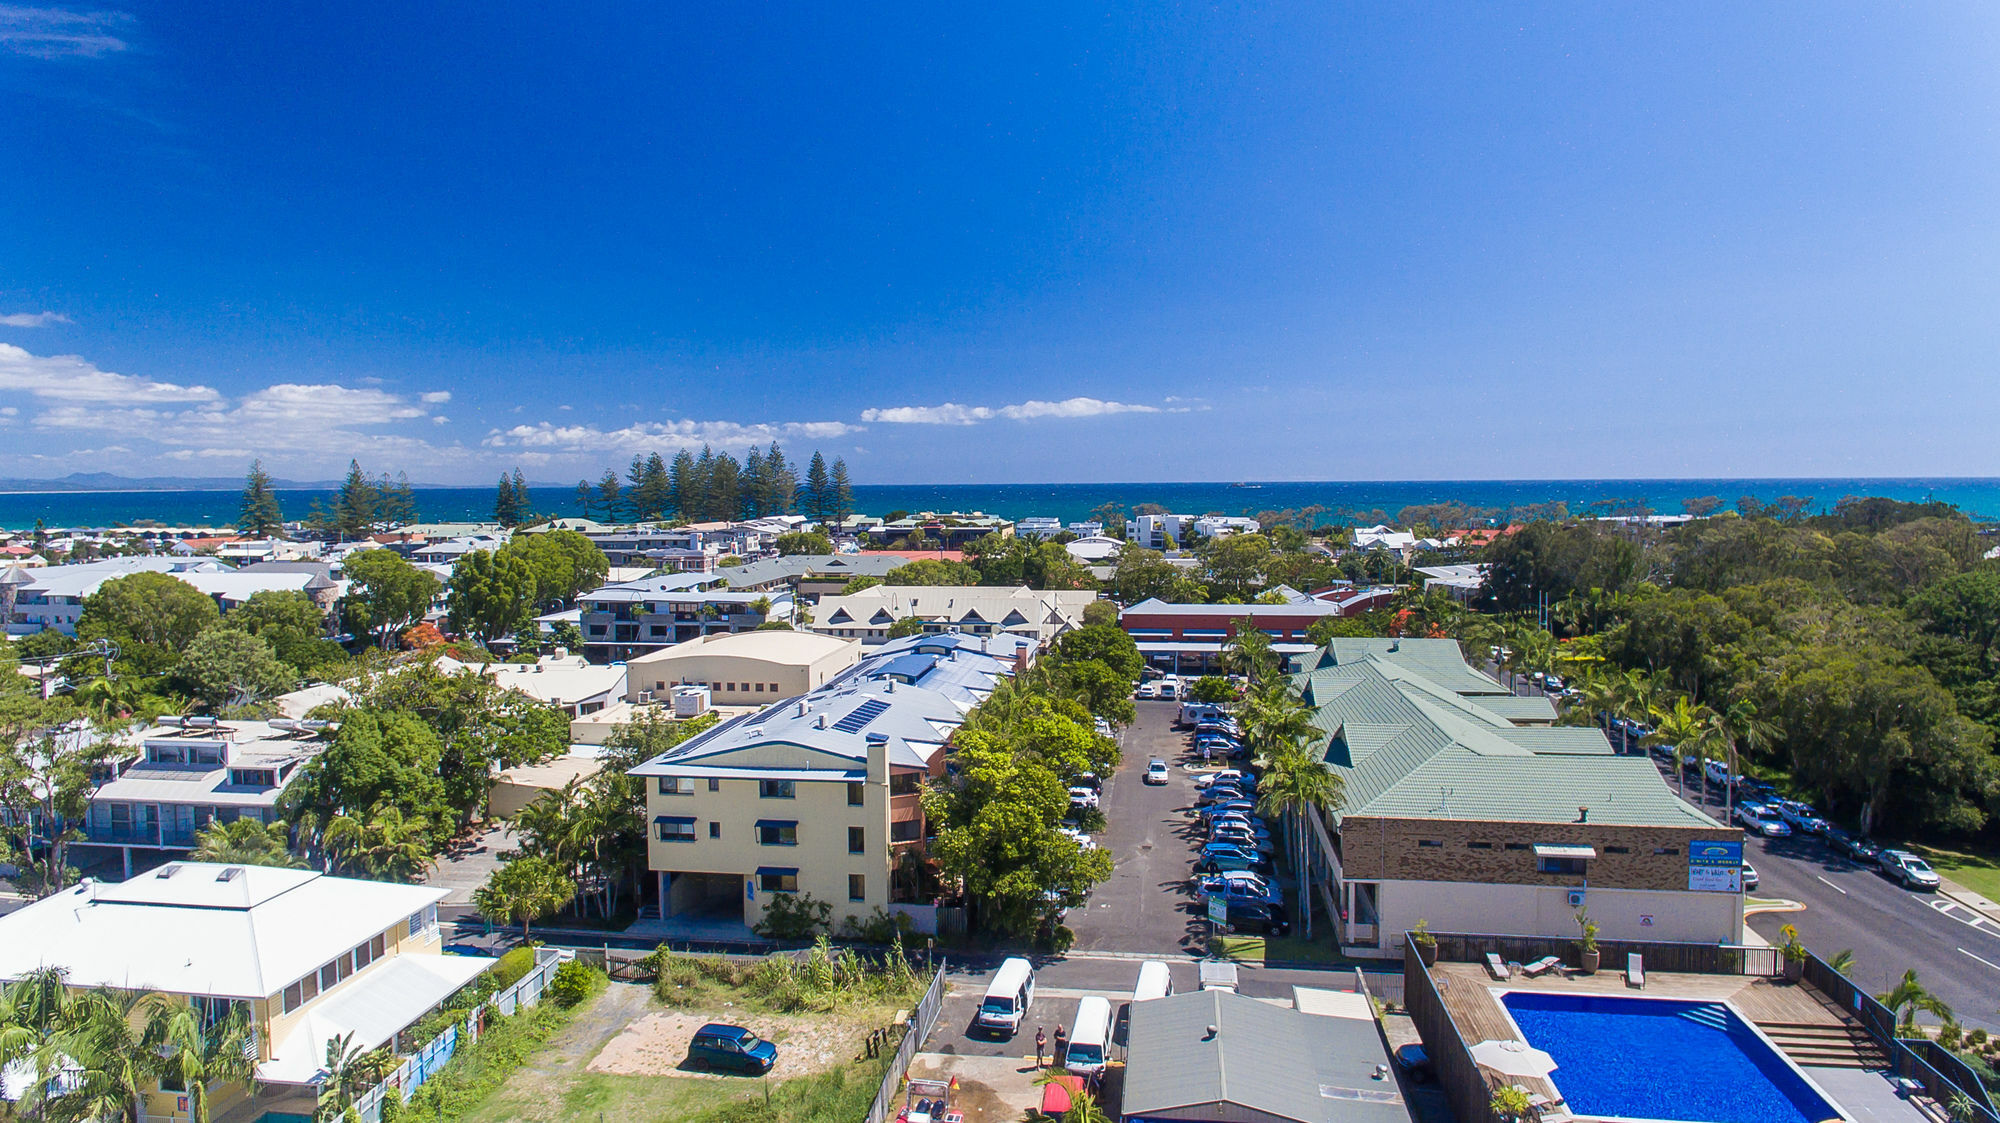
1583, 814
820, 723
1210, 1034
877, 738
804, 706
168, 870
229, 873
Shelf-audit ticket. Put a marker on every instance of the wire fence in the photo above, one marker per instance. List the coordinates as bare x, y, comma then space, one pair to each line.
922, 1021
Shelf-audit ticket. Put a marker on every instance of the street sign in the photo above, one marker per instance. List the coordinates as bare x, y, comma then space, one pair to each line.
1218, 910
1715, 867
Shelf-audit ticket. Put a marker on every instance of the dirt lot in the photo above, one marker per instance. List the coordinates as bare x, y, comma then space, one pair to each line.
657, 1044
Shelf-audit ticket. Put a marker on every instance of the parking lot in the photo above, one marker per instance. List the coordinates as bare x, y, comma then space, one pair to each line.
1145, 907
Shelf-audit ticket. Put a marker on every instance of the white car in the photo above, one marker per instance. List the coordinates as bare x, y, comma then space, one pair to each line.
1208, 779
1082, 797
1156, 771
1083, 840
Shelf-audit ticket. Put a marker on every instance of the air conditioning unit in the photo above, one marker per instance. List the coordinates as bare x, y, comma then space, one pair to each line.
645, 697
1576, 898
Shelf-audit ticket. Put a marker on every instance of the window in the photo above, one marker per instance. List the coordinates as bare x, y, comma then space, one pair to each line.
328, 976
776, 789
1573, 867
1617, 850
857, 887
856, 793
674, 828
857, 840
760, 688
171, 1081
1514, 846
715, 830
1430, 842
774, 880
294, 997
714, 784
774, 688
1666, 849
597, 629
676, 785
777, 832
422, 920
1479, 846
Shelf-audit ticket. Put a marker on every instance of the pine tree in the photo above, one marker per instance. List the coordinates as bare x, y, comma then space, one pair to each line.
683, 487
725, 486
704, 486
781, 484
356, 505
819, 491
524, 506
635, 489
842, 500
610, 496
752, 492
583, 495
506, 509
396, 502
260, 515
656, 489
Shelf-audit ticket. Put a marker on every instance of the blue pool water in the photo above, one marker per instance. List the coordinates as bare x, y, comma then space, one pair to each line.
1656, 1058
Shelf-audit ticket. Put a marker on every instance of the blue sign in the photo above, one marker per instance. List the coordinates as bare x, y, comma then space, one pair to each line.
1715, 867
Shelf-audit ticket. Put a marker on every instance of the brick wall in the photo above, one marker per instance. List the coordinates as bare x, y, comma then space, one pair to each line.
1392, 849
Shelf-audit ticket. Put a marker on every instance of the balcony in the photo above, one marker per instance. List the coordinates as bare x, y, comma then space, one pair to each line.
143, 834
905, 808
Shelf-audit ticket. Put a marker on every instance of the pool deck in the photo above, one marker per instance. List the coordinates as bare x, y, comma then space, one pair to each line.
1468, 992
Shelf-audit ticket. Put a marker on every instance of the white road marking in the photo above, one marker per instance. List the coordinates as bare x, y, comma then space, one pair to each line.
1832, 886
1988, 962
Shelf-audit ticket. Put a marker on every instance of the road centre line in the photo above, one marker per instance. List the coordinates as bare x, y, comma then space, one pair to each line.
1988, 962
1832, 886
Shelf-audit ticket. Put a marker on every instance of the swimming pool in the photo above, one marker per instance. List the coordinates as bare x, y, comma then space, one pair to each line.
1664, 1059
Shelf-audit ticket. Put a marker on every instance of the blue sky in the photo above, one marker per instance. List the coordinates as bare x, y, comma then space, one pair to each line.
1128, 242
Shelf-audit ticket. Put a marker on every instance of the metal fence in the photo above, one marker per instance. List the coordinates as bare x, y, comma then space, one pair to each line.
1942, 1076
922, 1021
1691, 959
438, 1051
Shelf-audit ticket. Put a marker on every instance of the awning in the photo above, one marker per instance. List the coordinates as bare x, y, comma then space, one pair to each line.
1564, 850
673, 818
777, 871
762, 823
373, 1006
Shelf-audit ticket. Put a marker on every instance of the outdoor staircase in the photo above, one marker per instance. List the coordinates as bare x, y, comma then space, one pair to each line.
1712, 1016
1828, 1046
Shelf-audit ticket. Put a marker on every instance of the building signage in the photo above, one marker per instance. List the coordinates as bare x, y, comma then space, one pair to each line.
1715, 867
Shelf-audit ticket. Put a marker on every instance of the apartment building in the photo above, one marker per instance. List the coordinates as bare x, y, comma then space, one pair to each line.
1466, 806
820, 794
741, 668
191, 772
1191, 638
806, 575
630, 619
568, 682
312, 959
1038, 615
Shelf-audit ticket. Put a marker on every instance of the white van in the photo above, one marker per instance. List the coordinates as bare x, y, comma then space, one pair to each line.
1007, 997
1155, 981
1194, 713
1090, 1037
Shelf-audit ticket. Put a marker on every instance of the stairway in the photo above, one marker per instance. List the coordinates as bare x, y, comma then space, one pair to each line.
1712, 1016
1828, 1046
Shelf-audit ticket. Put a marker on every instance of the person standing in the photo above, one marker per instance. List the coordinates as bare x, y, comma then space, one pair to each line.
1062, 1046
1041, 1044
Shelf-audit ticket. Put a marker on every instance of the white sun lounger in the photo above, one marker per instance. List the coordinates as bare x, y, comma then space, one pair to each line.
1541, 966
1496, 967
1635, 970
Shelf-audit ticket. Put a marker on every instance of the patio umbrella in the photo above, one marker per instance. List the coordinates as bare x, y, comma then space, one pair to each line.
1512, 1058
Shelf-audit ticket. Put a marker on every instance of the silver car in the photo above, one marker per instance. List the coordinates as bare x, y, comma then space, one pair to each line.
1912, 871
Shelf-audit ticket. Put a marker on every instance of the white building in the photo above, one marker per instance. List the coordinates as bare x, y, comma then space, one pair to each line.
978, 610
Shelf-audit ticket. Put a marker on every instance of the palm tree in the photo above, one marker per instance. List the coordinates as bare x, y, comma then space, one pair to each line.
1295, 785
1687, 727
31, 1008
1638, 694
109, 1045
1842, 961
522, 890
1739, 724
387, 847
246, 842
1907, 999
1249, 653
198, 1055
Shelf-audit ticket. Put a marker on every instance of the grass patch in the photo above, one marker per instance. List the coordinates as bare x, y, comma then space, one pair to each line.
1977, 870
476, 1072
1276, 949
841, 1095
826, 981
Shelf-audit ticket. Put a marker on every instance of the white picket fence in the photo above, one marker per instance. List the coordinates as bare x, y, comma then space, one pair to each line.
425, 1062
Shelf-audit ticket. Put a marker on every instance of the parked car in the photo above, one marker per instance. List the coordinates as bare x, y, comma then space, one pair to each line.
1412, 1059
1912, 871
1087, 780
1801, 816
1082, 797
1156, 771
1218, 793
1082, 840
1757, 790
1244, 840
1215, 857
1749, 877
1146, 690
1858, 847
1761, 819
1225, 727
1257, 916
1718, 773
1552, 682
717, 1045
1238, 885
1208, 778
1209, 813
1247, 818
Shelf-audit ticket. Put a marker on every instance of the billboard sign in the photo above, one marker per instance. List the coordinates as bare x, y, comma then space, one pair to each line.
1715, 867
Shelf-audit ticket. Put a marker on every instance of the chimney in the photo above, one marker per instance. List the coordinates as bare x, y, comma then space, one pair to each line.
1583, 814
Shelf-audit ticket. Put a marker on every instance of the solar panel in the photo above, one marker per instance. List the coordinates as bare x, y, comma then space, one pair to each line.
861, 715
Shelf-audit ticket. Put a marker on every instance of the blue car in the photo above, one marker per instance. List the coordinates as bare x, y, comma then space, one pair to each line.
1261, 843
1219, 793
1216, 857
1245, 818
717, 1045
1237, 887
1224, 807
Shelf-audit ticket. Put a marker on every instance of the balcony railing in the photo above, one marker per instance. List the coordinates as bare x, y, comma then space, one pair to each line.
154, 834
903, 808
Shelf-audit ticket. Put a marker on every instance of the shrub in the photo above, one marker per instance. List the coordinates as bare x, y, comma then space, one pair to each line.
392, 1106
512, 967
880, 927
573, 982
794, 916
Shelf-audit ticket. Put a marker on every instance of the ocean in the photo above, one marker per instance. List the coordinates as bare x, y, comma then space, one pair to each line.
1342, 501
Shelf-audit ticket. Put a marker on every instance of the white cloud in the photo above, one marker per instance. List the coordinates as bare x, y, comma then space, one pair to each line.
436, 397
33, 319
70, 378
951, 413
52, 33
646, 436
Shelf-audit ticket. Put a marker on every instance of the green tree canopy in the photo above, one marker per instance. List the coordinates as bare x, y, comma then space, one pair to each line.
292, 624
152, 617
259, 515
564, 563
932, 571
1107, 644
224, 667
491, 594
386, 593
245, 842
804, 542
376, 760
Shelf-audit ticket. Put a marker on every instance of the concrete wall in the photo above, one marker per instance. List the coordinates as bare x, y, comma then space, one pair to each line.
767, 680
1464, 906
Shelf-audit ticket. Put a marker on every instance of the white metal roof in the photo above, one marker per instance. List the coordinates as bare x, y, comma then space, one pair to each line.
373, 1006
187, 929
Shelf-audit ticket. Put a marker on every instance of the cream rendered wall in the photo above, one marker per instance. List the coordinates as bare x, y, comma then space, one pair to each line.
821, 857
793, 679
1544, 910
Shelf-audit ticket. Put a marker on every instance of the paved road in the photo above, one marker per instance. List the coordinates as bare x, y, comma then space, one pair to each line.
1146, 906
1889, 928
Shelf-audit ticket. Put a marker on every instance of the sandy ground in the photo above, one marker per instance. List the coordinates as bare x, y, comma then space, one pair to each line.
657, 1044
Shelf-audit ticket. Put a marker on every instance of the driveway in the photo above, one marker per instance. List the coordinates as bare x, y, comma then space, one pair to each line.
1145, 905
